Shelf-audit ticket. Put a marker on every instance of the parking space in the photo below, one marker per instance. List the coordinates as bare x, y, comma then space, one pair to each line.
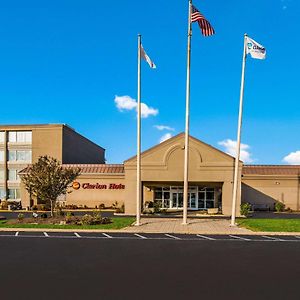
151, 236
31, 233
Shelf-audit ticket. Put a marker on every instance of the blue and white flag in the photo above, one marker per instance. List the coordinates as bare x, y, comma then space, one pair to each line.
255, 49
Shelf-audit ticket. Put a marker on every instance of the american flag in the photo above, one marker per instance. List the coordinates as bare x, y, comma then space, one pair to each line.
205, 26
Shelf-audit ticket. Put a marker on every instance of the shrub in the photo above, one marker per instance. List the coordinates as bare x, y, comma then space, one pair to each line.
279, 206
245, 209
20, 217
59, 212
71, 206
34, 207
121, 209
149, 204
87, 220
115, 205
106, 220
4, 205
101, 206
94, 219
44, 216
156, 207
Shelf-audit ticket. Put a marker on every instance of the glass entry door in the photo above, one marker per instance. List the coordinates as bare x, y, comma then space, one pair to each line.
177, 199
192, 200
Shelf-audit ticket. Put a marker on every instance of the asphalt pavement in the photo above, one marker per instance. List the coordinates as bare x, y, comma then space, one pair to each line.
59, 265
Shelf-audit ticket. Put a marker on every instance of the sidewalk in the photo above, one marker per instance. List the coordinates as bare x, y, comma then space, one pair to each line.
194, 226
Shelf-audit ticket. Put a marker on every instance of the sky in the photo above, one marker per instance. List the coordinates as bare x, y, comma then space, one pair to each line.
75, 62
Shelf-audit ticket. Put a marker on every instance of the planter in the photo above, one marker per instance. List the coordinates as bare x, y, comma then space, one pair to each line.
212, 211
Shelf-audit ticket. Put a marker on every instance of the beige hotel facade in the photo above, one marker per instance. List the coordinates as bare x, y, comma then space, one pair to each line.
210, 173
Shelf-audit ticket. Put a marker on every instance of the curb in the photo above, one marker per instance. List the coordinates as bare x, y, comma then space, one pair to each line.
127, 230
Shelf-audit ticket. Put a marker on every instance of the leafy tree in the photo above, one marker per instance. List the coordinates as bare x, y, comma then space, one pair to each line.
47, 179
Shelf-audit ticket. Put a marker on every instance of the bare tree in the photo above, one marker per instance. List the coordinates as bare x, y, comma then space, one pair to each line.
47, 179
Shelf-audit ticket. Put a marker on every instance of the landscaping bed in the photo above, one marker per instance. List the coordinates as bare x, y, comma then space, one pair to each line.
68, 221
270, 225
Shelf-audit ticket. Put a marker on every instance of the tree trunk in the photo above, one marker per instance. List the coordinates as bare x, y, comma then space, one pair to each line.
52, 208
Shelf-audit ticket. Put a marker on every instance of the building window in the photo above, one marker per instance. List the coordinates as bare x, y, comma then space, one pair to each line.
20, 136
1, 155
19, 155
172, 197
162, 196
2, 137
13, 194
13, 175
2, 193
1, 175
206, 198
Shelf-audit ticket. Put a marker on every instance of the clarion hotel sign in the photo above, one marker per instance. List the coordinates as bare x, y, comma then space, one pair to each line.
97, 186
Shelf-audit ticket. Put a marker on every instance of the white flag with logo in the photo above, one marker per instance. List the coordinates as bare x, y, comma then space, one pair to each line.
147, 58
255, 49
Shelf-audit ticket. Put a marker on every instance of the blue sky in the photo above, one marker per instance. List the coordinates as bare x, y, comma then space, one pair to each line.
65, 61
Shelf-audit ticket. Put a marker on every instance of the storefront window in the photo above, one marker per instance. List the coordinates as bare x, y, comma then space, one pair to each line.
172, 197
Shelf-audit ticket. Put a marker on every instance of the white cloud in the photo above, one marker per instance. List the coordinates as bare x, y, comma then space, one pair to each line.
230, 148
165, 137
293, 158
128, 103
163, 127
147, 111
125, 103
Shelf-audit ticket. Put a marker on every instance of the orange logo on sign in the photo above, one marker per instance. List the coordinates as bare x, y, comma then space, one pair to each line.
76, 185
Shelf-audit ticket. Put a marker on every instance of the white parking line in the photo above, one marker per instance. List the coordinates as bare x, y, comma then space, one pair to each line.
239, 237
107, 235
140, 236
77, 235
46, 234
272, 238
17, 233
172, 236
297, 236
206, 237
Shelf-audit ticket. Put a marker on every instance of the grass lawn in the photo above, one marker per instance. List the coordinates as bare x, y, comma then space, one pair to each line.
117, 223
271, 225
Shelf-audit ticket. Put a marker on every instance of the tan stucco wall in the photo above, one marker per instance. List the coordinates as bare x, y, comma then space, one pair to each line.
269, 189
47, 141
95, 197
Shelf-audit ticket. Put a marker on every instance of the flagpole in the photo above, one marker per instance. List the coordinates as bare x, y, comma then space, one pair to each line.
187, 122
138, 156
238, 145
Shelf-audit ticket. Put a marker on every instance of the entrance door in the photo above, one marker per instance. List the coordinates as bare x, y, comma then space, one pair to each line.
174, 203
192, 200
177, 200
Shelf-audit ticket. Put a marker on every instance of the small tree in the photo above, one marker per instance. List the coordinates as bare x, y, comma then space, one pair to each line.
47, 179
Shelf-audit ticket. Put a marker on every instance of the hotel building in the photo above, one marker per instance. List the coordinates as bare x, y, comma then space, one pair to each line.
21, 145
210, 173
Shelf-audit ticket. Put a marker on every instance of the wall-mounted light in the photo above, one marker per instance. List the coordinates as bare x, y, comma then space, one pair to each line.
277, 182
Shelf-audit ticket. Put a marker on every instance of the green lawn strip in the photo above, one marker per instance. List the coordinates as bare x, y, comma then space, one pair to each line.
117, 223
271, 225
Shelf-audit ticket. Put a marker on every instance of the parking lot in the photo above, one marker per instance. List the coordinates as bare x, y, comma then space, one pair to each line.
150, 236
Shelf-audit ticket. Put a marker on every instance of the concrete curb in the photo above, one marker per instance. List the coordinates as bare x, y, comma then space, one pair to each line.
140, 230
